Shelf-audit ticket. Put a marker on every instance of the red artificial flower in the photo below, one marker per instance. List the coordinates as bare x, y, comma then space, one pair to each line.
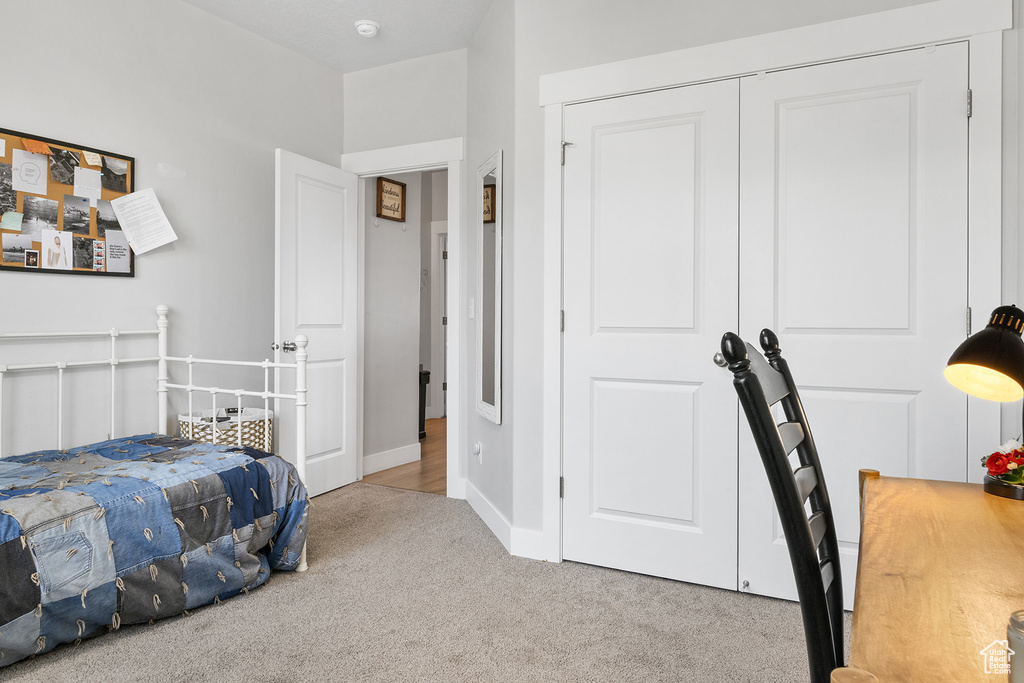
1017, 457
997, 463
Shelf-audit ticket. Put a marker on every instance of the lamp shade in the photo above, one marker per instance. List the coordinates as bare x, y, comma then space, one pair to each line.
990, 364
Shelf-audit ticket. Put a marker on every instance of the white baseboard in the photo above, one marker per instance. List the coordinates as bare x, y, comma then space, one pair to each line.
385, 460
490, 515
457, 489
528, 543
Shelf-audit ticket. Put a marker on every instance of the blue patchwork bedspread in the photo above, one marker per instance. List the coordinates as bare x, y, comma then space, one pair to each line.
135, 529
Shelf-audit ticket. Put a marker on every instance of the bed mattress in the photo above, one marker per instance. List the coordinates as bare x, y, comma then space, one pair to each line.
136, 529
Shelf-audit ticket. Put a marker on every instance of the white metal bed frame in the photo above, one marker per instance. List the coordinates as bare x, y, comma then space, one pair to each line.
163, 383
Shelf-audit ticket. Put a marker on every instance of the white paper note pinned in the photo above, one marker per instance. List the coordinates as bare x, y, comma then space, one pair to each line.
91, 158
3, 147
88, 184
143, 221
118, 256
29, 172
11, 221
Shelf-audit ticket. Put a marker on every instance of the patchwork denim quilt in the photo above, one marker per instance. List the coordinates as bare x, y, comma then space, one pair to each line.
136, 529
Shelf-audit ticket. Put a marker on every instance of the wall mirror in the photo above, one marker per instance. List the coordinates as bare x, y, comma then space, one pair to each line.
488, 316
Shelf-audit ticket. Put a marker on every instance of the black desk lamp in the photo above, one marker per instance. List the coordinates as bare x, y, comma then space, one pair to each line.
990, 364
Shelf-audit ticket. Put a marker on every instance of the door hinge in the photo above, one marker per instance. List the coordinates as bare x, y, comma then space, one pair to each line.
562, 322
970, 103
444, 320
968, 321
561, 487
444, 254
564, 145
444, 386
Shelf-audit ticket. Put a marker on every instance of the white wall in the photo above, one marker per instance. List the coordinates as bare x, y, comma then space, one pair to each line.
426, 215
439, 200
418, 100
491, 126
167, 83
392, 330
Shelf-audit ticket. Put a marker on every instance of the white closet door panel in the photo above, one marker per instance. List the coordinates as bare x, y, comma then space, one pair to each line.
853, 241
650, 285
846, 195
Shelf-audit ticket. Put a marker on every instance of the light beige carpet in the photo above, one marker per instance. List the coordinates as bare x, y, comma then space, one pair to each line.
407, 586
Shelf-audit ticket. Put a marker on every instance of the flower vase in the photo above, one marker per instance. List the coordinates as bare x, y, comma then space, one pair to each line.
998, 487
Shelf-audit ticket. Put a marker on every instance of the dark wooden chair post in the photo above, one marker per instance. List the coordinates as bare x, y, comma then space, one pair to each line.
812, 543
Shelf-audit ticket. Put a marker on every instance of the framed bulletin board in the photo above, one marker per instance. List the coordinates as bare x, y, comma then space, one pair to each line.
55, 213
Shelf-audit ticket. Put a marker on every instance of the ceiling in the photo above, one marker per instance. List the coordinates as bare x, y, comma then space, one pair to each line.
324, 30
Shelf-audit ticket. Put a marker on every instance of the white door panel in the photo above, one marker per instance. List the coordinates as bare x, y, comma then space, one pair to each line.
853, 237
852, 247
650, 284
316, 295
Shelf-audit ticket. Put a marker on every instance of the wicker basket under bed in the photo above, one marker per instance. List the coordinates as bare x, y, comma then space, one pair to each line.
257, 427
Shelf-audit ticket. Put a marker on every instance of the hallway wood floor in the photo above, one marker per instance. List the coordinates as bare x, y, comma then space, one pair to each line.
428, 474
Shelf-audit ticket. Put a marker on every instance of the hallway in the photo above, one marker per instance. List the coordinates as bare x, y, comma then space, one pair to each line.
428, 474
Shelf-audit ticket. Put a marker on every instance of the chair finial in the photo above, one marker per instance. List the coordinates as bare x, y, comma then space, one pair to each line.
733, 348
769, 341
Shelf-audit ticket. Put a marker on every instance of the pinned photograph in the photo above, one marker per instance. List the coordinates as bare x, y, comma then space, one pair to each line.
39, 214
106, 219
76, 214
15, 246
62, 166
56, 250
83, 252
29, 173
31, 258
99, 255
8, 196
115, 174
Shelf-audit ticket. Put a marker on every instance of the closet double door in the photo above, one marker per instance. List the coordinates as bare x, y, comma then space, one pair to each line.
828, 203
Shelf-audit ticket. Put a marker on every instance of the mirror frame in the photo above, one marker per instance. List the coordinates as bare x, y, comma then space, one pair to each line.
490, 411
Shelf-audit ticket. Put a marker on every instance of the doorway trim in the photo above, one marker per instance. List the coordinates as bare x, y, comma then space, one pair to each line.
438, 337
449, 155
980, 22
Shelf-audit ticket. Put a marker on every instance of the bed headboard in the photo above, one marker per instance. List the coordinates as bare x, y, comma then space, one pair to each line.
117, 357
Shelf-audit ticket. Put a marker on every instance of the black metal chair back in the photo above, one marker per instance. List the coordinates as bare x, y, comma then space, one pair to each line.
811, 538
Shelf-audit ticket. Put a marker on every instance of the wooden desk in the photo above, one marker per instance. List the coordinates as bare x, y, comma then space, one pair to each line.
938, 575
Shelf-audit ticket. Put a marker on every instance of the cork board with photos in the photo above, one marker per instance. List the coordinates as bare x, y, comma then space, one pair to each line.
55, 212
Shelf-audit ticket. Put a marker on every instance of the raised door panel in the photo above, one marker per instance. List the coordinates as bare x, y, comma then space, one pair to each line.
650, 283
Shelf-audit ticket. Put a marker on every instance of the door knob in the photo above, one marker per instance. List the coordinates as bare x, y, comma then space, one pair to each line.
287, 346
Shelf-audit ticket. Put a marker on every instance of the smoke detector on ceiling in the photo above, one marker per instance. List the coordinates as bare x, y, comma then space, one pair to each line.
367, 28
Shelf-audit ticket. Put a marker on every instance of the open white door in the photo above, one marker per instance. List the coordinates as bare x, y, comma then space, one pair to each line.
316, 294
